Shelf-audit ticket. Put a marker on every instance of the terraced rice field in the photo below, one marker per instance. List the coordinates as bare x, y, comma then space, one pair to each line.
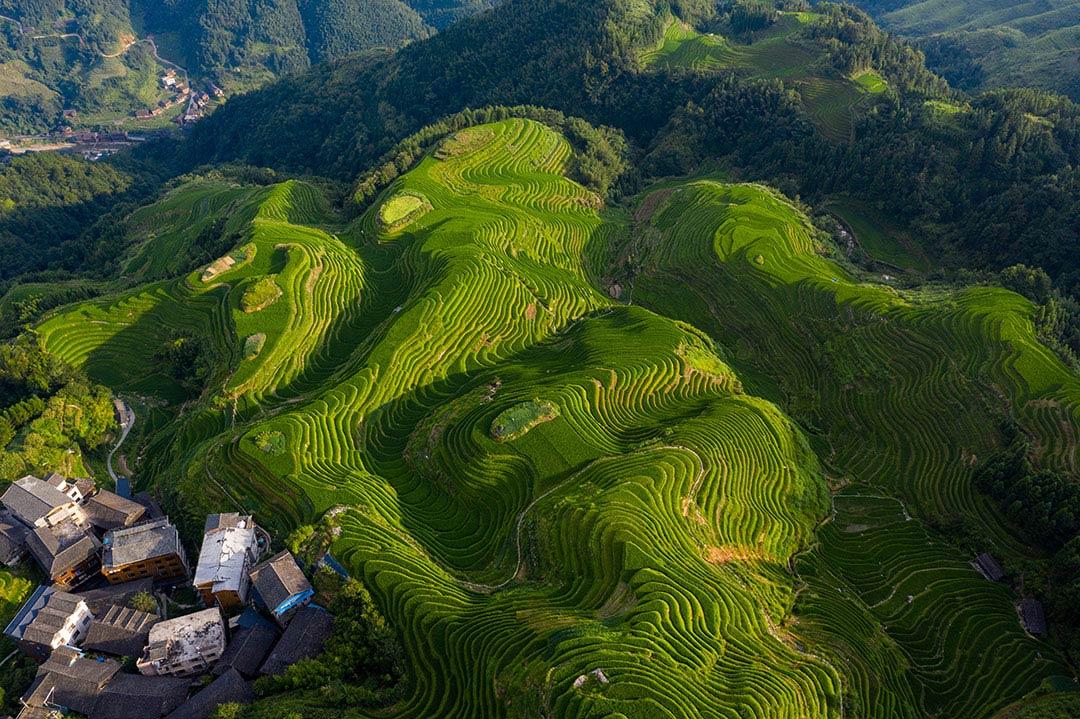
830, 99
168, 228
898, 393
664, 526
879, 237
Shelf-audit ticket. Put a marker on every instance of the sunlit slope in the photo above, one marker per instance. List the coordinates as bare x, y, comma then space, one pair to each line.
654, 513
829, 98
904, 394
644, 531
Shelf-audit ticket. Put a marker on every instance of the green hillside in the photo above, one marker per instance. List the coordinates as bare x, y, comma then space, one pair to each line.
80, 54
829, 97
662, 458
993, 43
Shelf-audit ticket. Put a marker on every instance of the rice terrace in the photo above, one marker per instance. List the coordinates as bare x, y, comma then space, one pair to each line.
533, 416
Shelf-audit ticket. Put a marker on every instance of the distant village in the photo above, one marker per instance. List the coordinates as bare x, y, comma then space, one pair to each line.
181, 92
111, 632
94, 145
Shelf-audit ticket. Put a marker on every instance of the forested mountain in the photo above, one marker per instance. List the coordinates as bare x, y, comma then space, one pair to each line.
992, 178
633, 358
983, 44
76, 54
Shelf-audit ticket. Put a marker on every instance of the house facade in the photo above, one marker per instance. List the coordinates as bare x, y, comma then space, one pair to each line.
151, 549
229, 549
51, 618
184, 646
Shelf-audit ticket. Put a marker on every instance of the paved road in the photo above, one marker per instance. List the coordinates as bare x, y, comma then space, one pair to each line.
126, 423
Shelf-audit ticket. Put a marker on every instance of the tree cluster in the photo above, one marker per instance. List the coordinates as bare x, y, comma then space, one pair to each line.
363, 663
49, 412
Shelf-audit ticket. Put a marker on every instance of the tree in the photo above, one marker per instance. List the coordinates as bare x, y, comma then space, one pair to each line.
144, 602
229, 710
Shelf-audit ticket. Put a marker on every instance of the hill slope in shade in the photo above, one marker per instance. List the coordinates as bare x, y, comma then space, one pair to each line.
993, 43
671, 524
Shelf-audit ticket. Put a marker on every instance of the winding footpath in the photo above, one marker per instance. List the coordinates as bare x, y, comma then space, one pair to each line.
127, 421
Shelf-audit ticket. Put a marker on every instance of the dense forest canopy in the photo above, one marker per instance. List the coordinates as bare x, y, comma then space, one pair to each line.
49, 413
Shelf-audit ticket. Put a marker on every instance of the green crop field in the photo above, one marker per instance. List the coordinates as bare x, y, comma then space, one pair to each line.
776, 53
880, 238
730, 511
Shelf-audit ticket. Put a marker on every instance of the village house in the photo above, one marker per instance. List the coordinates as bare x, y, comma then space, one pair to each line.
229, 687
50, 618
78, 489
281, 587
989, 567
304, 638
66, 552
150, 549
13, 535
107, 510
134, 696
120, 631
184, 646
228, 550
38, 503
69, 681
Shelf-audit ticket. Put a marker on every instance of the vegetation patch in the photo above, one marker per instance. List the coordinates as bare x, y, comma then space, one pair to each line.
519, 419
260, 295
402, 209
253, 345
271, 442
870, 81
464, 142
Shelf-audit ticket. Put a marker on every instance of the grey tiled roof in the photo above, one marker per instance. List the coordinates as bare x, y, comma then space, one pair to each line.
247, 650
12, 536
134, 696
51, 618
62, 547
101, 599
278, 578
304, 638
71, 680
110, 511
122, 631
31, 498
156, 538
43, 614
229, 687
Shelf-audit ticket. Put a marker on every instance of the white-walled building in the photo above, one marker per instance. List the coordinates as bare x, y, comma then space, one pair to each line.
49, 619
184, 646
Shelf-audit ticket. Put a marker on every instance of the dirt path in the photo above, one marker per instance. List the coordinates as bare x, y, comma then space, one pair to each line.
127, 421
16, 23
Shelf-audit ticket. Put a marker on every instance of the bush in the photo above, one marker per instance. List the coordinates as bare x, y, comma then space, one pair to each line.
144, 602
